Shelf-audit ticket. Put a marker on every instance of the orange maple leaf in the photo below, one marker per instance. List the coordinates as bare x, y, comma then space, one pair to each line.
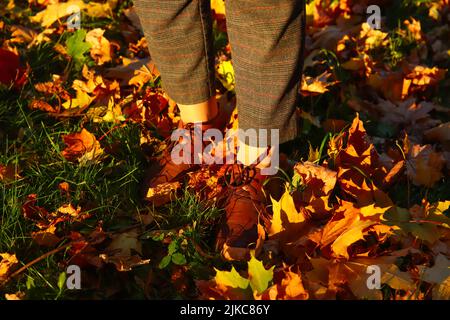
81, 146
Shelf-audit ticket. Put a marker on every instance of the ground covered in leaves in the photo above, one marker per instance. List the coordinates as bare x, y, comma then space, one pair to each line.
82, 114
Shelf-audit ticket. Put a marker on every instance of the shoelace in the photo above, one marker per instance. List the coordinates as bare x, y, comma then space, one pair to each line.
238, 175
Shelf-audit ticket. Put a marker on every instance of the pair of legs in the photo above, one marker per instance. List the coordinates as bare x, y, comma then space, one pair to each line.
266, 38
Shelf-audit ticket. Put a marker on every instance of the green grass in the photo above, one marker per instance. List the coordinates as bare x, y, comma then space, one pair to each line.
108, 190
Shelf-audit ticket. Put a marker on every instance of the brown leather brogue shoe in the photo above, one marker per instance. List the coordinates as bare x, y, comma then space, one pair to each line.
245, 208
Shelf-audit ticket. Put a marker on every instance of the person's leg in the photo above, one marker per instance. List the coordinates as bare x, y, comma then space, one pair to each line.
199, 112
267, 40
179, 37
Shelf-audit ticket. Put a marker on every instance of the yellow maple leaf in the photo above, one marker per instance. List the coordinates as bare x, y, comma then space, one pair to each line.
82, 100
424, 165
225, 72
312, 86
7, 262
231, 279
372, 37
15, 296
284, 214
56, 11
350, 236
218, 6
373, 210
100, 46
415, 28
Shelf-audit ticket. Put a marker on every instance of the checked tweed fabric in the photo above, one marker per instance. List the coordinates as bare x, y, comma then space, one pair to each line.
267, 41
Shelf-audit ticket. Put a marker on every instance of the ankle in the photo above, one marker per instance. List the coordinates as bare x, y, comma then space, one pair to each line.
200, 112
254, 156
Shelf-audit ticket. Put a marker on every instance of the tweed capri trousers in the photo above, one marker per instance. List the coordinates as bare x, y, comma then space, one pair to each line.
267, 41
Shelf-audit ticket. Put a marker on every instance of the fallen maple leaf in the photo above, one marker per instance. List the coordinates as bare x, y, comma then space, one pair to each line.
22, 34
41, 105
7, 263
355, 274
55, 11
47, 222
12, 72
229, 284
290, 287
317, 85
163, 193
424, 165
133, 71
371, 37
81, 146
415, 29
389, 84
124, 251
438, 273
358, 162
8, 173
319, 182
19, 295
345, 215
420, 78
320, 13
46, 237
218, 6
83, 251
441, 133
286, 220
225, 72
427, 223
442, 291
31, 211
100, 46
354, 233
142, 76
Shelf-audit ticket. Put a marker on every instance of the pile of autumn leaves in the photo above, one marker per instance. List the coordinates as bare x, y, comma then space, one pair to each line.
334, 220
340, 222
